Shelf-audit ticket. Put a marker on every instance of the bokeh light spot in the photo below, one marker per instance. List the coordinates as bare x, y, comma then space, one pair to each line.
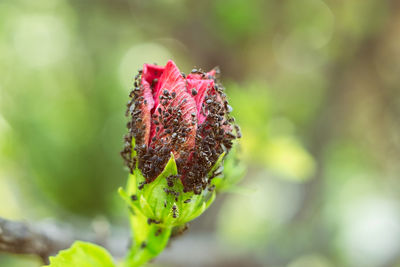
136, 56
40, 40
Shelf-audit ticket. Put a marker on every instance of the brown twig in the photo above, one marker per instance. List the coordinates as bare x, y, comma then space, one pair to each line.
23, 238
46, 238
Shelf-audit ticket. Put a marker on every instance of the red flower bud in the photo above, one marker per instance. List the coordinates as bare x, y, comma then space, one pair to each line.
185, 115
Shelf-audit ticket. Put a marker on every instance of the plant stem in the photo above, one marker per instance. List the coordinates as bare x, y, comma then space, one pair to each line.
149, 240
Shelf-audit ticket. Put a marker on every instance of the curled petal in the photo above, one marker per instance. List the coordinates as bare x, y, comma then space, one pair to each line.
151, 74
173, 111
201, 87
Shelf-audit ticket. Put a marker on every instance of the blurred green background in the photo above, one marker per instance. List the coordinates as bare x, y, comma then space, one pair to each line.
315, 86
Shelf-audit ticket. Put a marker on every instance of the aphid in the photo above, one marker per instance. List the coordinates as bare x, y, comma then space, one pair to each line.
165, 92
158, 232
238, 132
134, 197
187, 200
143, 245
173, 94
211, 188
141, 185
174, 212
165, 203
231, 135
194, 92
150, 221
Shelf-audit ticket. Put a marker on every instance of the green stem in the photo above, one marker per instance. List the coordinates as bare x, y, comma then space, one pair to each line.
149, 240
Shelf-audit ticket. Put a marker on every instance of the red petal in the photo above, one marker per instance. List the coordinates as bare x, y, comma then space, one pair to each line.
204, 84
150, 72
202, 87
149, 82
172, 81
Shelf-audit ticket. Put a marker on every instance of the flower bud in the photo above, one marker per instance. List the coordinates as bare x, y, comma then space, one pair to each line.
187, 116
180, 130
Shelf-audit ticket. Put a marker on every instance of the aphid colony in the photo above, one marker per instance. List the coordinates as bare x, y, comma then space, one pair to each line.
171, 131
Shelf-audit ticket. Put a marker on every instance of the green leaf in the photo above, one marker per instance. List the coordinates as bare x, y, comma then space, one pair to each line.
82, 254
234, 171
156, 196
217, 163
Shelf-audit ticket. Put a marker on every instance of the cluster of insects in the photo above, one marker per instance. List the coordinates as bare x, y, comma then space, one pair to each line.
172, 126
213, 137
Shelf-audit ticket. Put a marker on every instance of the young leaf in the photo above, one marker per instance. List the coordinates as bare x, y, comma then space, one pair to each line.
82, 254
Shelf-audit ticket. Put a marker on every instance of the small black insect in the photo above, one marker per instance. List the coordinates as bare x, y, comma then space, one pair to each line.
134, 197
174, 212
158, 232
141, 185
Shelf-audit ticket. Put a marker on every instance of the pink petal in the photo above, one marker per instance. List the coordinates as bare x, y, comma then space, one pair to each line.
204, 84
150, 72
172, 81
202, 87
150, 78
